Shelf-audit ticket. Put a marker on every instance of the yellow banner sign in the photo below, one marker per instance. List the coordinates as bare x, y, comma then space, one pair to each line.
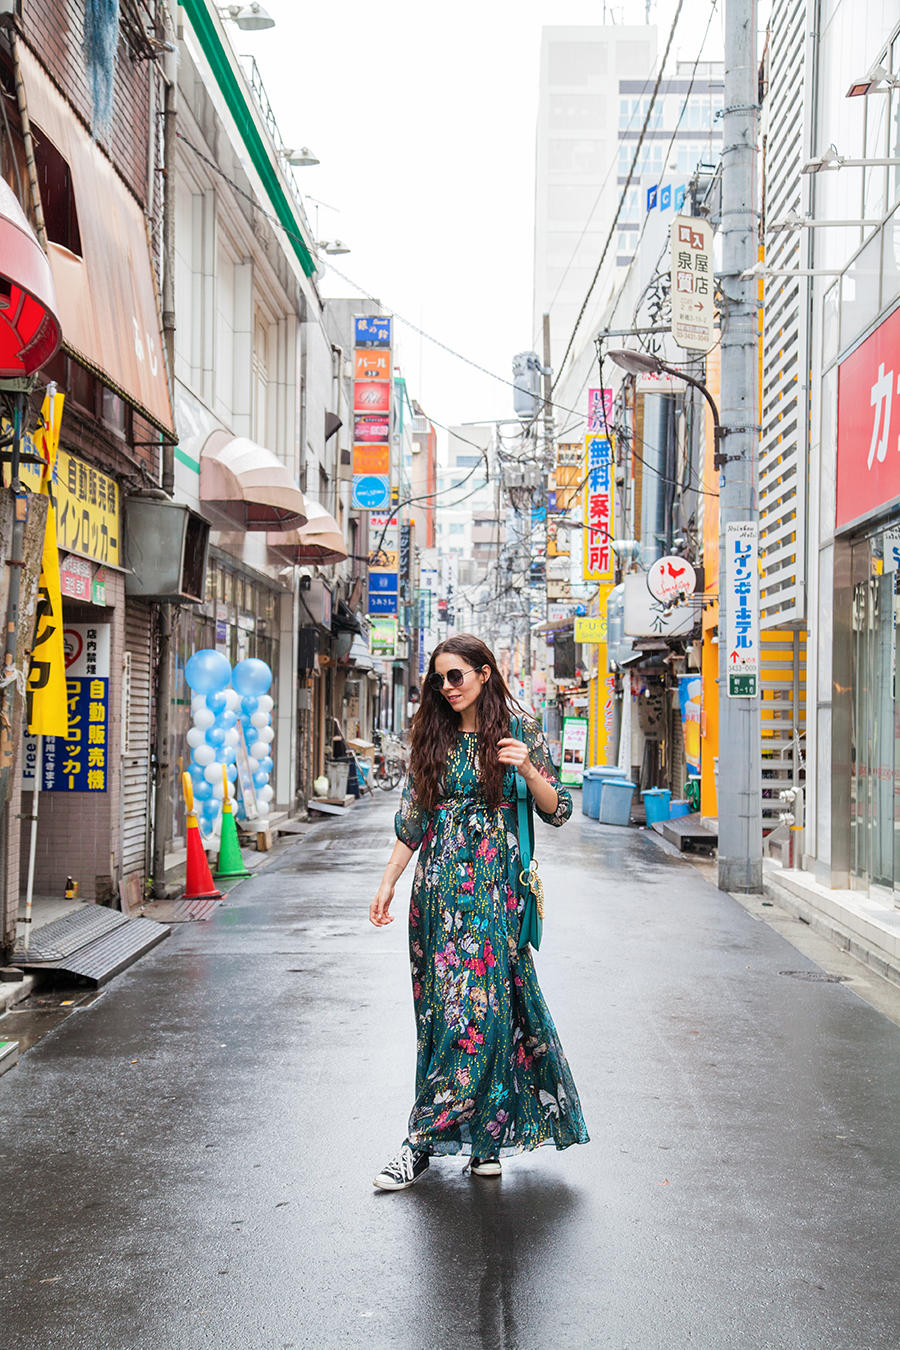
88, 507
47, 708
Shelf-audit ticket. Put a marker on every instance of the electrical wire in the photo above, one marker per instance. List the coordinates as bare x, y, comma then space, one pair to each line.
613, 227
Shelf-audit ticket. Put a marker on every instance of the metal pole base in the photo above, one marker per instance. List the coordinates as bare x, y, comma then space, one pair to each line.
743, 876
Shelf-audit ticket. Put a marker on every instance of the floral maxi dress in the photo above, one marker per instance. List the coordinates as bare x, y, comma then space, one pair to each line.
491, 1076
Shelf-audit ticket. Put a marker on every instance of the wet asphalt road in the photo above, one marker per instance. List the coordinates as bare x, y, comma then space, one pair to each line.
187, 1161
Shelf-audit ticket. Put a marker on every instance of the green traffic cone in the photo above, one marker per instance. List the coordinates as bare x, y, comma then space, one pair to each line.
231, 864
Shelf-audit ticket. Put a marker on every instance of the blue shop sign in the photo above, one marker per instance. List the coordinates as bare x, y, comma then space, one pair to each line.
371, 492
371, 331
382, 602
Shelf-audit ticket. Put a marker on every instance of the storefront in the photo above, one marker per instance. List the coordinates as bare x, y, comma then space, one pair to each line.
866, 725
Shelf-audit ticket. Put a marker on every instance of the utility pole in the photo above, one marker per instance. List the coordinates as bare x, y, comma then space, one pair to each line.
740, 770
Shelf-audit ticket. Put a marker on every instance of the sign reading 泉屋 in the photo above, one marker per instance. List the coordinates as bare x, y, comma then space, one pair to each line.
742, 608
599, 502
693, 289
868, 425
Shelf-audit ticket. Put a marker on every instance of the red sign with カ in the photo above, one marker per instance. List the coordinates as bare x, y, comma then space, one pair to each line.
868, 435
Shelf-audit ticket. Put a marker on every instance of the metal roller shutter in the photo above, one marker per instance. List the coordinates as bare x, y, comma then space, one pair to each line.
136, 715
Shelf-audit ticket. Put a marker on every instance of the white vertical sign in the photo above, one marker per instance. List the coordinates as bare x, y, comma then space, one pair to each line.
742, 608
693, 289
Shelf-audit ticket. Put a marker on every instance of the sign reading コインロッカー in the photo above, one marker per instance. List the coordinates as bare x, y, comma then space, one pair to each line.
79, 762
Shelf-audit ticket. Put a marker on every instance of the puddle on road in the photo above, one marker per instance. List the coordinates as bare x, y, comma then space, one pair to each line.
42, 1012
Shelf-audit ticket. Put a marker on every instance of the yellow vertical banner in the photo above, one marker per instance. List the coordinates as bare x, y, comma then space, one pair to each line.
47, 708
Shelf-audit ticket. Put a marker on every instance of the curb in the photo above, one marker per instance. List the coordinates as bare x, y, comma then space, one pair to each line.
869, 955
11, 994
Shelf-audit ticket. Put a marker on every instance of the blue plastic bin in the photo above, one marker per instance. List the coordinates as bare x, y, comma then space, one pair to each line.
656, 804
615, 802
594, 778
680, 808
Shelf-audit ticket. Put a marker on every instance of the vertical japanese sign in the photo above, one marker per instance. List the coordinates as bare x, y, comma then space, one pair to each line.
384, 545
742, 608
573, 750
79, 761
45, 690
383, 638
599, 502
600, 410
693, 308
371, 412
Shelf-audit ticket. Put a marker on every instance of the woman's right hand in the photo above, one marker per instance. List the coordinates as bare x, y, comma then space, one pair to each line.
379, 910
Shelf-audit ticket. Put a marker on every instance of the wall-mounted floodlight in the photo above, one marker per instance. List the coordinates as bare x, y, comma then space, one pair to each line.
332, 246
250, 18
832, 160
794, 222
878, 81
300, 159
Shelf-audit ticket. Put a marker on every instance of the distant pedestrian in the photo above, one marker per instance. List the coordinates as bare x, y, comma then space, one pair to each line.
492, 1079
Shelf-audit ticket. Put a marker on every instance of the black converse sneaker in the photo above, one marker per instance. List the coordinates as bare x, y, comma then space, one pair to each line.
486, 1167
402, 1171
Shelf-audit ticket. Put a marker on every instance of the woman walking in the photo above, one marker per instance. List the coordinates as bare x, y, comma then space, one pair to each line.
491, 1078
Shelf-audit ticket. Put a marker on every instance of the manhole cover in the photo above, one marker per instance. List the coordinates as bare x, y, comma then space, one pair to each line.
818, 975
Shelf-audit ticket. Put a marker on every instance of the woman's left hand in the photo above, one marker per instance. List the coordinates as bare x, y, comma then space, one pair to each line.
515, 754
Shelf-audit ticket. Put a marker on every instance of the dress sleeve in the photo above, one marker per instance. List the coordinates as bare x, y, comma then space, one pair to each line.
539, 753
411, 821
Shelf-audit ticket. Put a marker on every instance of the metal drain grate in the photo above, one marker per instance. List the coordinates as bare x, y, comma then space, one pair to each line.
820, 976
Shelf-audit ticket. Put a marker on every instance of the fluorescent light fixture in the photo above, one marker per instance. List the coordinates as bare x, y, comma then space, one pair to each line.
794, 222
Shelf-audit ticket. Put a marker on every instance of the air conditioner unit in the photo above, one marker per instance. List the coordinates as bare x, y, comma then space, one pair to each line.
166, 548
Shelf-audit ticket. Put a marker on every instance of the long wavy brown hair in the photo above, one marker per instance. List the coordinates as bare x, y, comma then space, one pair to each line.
436, 725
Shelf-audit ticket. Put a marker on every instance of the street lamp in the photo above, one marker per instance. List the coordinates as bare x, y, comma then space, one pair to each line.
300, 159
332, 246
250, 18
644, 363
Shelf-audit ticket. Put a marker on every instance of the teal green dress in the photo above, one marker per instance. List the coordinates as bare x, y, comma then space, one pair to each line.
491, 1076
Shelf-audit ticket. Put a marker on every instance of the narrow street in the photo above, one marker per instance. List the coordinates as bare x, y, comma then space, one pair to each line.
193, 1151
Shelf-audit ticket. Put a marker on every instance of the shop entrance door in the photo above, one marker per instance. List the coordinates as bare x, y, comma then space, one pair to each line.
875, 817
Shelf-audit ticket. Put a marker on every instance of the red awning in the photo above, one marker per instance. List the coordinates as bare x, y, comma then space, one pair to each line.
29, 330
248, 484
318, 541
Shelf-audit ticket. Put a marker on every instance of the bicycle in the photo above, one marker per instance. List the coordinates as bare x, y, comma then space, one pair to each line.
390, 762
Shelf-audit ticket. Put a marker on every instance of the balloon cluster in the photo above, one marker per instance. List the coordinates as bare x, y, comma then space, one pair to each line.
219, 715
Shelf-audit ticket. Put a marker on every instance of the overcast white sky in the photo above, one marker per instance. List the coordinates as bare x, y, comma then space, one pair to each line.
423, 117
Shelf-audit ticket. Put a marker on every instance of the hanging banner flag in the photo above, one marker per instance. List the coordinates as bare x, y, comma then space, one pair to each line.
599, 515
742, 608
46, 704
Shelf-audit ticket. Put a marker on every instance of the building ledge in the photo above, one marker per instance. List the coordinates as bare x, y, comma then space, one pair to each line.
868, 930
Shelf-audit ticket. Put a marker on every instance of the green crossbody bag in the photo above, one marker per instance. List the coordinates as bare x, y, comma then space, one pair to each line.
532, 925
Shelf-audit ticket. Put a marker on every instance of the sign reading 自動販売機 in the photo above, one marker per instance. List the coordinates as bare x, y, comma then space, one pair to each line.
742, 608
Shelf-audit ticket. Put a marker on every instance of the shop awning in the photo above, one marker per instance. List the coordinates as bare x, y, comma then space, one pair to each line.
566, 625
318, 541
29, 329
107, 295
249, 484
360, 654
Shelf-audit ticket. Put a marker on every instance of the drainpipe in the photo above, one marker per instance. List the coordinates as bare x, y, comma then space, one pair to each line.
28, 141
170, 110
161, 796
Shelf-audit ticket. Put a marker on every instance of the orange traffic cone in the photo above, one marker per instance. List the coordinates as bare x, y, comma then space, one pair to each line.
198, 884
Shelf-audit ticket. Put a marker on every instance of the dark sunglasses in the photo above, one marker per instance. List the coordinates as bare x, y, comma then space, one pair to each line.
454, 678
